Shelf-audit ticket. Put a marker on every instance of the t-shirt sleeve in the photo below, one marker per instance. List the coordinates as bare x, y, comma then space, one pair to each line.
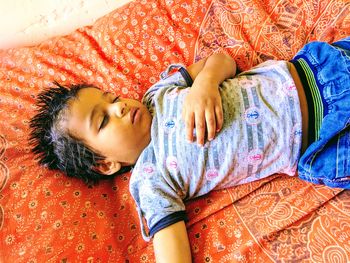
157, 201
180, 78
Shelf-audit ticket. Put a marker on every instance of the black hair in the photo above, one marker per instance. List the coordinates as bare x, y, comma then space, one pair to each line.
53, 146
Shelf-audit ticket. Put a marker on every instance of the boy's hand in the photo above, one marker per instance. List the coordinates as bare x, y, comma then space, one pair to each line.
203, 110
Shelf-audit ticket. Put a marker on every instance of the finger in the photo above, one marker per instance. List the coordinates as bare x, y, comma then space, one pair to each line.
189, 123
219, 116
200, 127
211, 123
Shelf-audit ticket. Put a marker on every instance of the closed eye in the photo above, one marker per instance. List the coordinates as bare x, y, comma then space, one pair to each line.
106, 117
104, 122
115, 99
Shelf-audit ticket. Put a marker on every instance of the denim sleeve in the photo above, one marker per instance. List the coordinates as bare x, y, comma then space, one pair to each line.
180, 78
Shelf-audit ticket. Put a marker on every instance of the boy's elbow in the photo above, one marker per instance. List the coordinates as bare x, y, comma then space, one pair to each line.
227, 62
230, 63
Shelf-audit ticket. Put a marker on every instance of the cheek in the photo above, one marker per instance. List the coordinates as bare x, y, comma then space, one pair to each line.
104, 143
116, 136
119, 136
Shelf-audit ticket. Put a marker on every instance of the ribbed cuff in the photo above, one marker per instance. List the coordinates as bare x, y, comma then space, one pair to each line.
186, 76
167, 221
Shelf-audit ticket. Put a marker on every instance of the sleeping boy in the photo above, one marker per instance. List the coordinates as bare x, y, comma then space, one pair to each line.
204, 128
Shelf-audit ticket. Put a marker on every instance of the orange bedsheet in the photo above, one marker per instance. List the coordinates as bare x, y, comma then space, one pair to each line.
47, 217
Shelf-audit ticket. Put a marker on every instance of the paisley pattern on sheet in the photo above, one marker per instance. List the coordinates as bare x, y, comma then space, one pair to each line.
47, 217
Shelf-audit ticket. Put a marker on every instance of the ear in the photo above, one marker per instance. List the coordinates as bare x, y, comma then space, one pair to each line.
106, 167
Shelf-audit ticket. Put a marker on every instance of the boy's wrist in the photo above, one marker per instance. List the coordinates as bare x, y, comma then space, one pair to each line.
204, 80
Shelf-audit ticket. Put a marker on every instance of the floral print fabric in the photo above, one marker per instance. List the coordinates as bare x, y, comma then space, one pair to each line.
47, 217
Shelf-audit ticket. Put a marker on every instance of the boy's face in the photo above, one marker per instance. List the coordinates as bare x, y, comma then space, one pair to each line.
116, 128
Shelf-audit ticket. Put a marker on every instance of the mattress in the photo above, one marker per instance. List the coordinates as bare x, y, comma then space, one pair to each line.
48, 217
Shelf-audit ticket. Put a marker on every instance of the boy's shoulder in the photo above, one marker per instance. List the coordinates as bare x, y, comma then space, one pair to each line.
146, 163
175, 75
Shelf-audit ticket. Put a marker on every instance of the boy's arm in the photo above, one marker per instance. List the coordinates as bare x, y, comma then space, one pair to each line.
218, 67
171, 244
202, 108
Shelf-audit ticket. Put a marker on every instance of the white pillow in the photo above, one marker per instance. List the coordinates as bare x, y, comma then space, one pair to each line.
25, 23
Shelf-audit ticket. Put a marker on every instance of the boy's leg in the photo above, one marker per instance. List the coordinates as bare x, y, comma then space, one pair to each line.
325, 71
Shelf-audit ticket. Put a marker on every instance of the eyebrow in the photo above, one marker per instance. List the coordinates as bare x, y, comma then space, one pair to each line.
94, 110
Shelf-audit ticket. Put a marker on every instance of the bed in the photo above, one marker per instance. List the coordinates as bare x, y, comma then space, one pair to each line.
48, 217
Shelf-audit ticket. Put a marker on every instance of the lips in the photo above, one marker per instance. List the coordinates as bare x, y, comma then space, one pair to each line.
133, 114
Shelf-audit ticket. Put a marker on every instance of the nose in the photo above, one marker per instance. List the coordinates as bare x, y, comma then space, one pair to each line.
119, 109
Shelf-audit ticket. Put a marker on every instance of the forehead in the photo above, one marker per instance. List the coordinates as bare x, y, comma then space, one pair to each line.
85, 99
79, 110
89, 93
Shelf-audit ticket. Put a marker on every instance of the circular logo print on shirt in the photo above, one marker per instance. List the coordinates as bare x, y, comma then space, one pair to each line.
290, 89
148, 168
169, 125
252, 115
211, 174
255, 157
297, 134
171, 164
